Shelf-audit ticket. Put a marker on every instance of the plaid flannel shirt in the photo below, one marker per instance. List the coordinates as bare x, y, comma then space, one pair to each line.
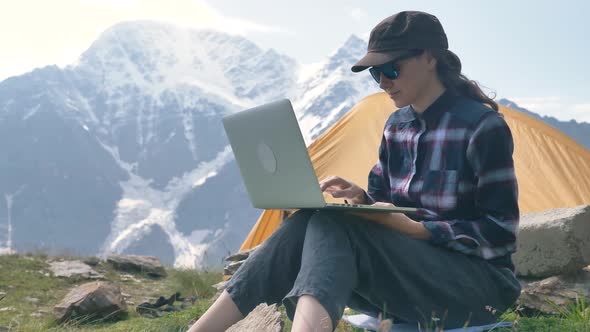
454, 163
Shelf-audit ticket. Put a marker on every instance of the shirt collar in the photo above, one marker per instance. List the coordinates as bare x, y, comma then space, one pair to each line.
436, 109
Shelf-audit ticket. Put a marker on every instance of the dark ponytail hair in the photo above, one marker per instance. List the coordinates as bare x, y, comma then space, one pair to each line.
448, 68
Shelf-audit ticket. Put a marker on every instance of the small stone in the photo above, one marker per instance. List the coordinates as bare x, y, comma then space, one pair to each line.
92, 261
561, 290
240, 256
33, 300
137, 263
69, 269
7, 309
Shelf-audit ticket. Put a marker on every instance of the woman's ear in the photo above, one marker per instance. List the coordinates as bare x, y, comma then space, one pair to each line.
431, 61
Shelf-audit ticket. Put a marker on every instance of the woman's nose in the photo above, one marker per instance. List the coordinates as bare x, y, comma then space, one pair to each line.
384, 82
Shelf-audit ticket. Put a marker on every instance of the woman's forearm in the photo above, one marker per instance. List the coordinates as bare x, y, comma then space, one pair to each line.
403, 224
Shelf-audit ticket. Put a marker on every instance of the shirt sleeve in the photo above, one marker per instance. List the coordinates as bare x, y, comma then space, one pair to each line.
489, 153
378, 183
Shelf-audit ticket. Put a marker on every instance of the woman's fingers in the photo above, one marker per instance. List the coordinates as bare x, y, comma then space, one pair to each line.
341, 193
382, 204
333, 181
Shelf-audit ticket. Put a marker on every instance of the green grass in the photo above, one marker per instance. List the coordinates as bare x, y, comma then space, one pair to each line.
24, 278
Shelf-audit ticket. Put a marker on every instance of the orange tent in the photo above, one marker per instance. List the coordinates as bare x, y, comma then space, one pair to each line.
552, 169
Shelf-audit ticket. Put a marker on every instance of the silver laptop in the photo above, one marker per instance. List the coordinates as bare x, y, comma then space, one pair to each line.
274, 163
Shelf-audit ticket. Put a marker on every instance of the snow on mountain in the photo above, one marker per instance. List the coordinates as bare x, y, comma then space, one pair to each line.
327, 95
157, 58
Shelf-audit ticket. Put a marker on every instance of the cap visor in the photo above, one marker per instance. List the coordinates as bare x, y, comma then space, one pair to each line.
375, 59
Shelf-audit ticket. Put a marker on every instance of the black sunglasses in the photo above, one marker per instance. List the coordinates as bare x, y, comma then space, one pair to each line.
391, 68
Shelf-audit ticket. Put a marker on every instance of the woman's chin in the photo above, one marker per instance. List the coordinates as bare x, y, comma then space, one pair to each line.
399, 103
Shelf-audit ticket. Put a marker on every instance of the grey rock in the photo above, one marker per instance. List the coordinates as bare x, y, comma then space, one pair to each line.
556, 293
263, 318
69, 269
240, 256
136, 263
95, 299
92, 261
553, 242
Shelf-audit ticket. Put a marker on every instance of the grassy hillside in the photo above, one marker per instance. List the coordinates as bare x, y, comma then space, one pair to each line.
31, 293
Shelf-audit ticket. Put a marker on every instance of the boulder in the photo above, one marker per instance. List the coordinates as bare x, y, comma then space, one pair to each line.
69, 269
95, 299
556, 293
136, 263
263, 318
553, 242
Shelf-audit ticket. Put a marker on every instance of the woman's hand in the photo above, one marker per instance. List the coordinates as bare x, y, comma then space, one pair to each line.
341, 188
397, 221
382, 217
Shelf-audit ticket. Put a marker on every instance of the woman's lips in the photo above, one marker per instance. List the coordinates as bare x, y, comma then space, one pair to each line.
393, 94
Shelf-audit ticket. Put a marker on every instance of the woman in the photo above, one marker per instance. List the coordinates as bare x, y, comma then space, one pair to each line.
446, 153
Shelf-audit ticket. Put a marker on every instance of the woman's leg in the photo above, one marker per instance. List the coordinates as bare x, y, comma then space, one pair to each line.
310, 315
327, 275
266, 276
349, 260
220, 316
411, 279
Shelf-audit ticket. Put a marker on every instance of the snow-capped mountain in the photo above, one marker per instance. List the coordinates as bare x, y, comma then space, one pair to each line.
326, 96
124, 150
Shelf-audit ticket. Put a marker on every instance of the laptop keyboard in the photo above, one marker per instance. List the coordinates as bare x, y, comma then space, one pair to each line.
344, 204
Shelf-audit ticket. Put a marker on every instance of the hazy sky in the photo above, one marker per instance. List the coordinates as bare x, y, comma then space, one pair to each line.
533, 52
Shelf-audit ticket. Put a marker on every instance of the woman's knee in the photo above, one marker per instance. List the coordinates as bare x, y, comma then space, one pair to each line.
291, 232
296, 223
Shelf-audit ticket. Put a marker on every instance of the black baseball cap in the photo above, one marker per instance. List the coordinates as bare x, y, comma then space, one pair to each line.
397, 34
